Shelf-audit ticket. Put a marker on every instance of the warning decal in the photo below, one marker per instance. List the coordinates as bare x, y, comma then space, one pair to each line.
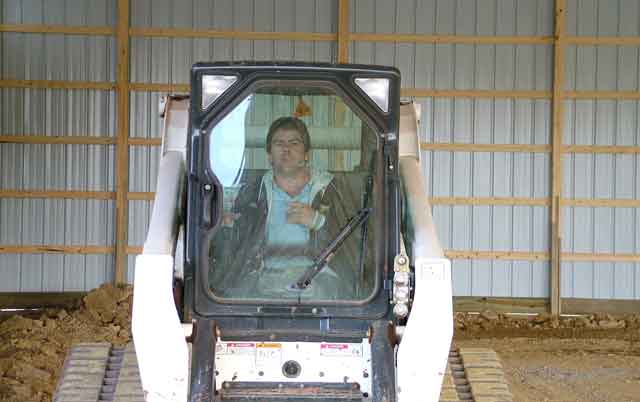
236, 348
340, 349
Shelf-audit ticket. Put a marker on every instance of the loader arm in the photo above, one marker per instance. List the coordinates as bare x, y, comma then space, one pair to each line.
158, 336
429, 328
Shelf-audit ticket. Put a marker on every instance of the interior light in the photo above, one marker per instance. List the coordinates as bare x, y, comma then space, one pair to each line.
213, 86
377, 89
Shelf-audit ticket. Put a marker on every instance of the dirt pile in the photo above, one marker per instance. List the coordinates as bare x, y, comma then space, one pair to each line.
32, 351
489, 324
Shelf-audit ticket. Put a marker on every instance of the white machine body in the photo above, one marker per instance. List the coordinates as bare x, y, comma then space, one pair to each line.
426, 339
159, 338
318, 362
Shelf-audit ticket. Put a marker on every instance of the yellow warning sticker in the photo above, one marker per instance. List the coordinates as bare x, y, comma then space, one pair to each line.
269, 345
268, 354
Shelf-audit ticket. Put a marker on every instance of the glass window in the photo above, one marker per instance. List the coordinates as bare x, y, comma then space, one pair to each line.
296, 164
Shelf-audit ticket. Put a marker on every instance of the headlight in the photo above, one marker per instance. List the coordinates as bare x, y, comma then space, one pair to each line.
377, 89
213, 86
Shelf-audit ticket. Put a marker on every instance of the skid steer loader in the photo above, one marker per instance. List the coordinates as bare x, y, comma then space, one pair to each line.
337, 290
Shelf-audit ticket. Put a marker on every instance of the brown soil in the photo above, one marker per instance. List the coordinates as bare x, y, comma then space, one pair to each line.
546, 359
32, 350
489, 324
569, 359
568, 370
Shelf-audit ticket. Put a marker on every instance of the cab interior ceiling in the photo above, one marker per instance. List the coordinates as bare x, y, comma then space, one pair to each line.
283, 87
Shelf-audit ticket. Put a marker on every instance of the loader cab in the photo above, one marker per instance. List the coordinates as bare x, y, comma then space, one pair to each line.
292, 228
286, 160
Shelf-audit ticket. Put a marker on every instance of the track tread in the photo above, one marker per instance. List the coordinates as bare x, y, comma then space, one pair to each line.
474, 375
99, 372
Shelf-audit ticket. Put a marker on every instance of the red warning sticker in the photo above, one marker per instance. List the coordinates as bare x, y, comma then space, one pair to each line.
235, 348
241, 345
340, 349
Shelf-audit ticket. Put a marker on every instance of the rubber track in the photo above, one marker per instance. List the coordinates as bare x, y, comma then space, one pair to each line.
98, 372
474, 375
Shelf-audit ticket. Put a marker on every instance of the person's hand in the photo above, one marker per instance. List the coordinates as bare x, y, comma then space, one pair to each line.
228, 218
301, 213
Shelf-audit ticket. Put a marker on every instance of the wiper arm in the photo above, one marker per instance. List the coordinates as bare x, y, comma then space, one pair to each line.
327, 253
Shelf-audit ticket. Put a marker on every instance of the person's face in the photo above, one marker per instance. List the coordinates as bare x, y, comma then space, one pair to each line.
287, 151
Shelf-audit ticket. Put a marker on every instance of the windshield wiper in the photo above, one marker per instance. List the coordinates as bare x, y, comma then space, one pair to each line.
327, 253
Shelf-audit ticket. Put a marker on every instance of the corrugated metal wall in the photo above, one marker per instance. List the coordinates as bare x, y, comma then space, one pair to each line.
428, 66
168, 60
56, 112
606, 176
487, 121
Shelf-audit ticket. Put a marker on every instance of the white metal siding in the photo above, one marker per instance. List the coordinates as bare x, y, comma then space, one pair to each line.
426, 66
56, 112
607, 176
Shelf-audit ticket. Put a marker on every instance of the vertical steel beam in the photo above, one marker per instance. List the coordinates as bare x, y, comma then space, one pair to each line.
556, 158
122, 147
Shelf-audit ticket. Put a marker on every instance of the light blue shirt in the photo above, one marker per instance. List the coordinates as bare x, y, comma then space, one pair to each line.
279, 231
282, 233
